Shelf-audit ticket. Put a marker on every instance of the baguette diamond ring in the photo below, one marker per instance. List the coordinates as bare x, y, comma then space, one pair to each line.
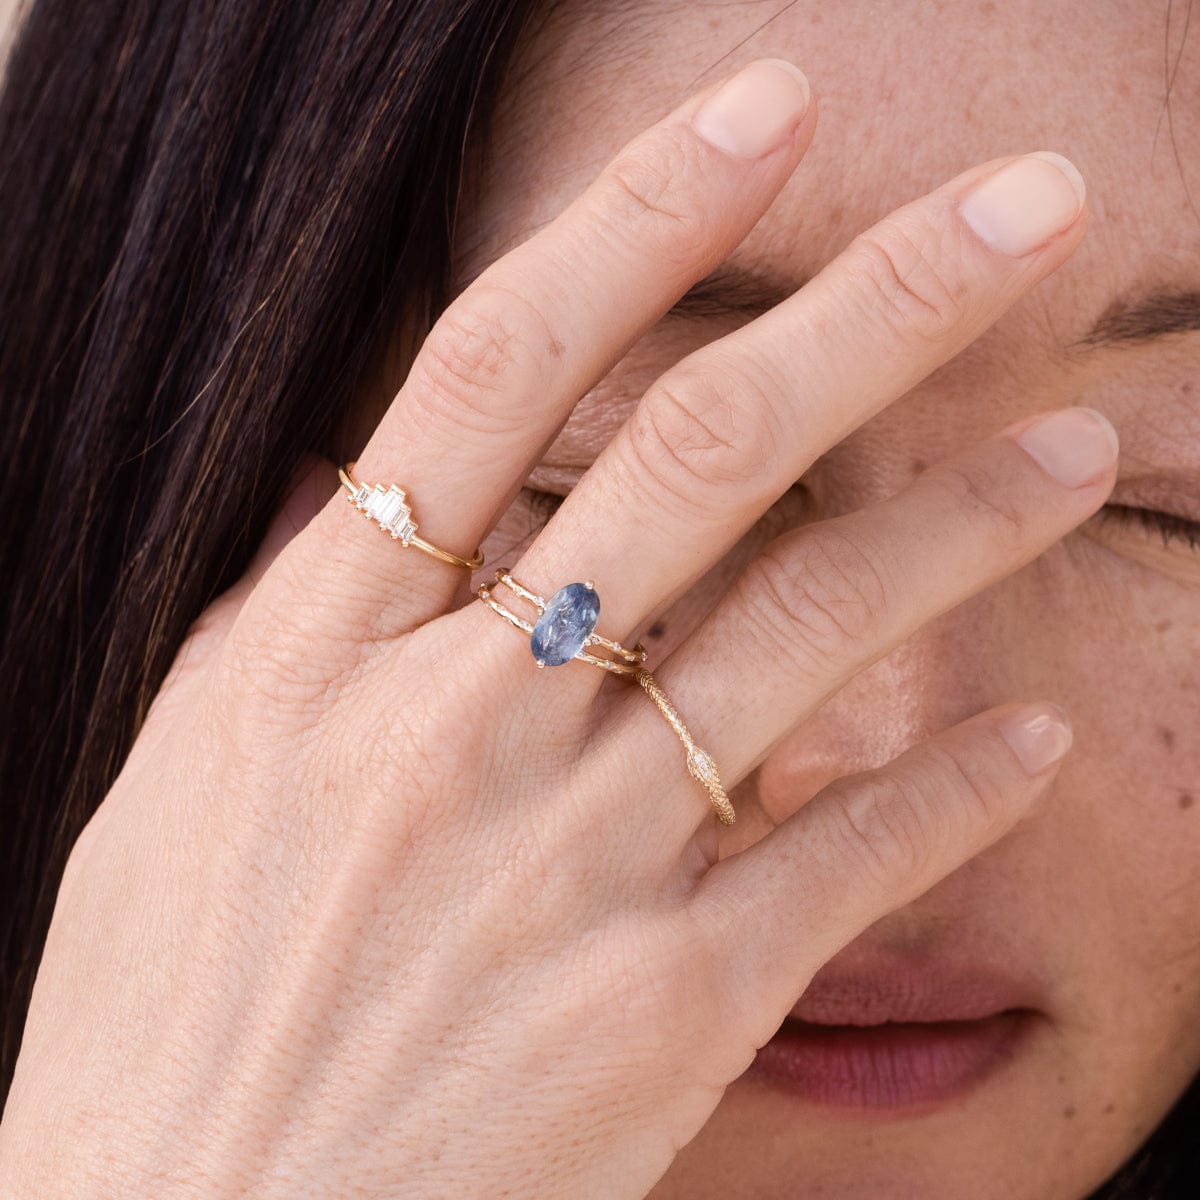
388, 508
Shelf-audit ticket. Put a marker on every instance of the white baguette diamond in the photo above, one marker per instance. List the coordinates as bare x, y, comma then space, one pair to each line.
387, 506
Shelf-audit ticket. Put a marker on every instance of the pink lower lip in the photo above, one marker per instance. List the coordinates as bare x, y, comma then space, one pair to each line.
887, 1066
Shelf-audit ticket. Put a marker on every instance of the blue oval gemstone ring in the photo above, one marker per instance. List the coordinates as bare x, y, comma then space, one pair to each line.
565, 627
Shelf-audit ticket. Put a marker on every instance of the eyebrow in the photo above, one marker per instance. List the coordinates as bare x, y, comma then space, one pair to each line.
733, 290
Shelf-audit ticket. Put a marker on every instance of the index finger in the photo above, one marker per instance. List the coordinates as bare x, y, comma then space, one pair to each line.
509, 358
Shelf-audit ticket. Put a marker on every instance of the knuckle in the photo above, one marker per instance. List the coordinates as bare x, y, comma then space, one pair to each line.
267, 661
909, 282
882, 825
710, 924
975, 492
700, 437
897, 820
652, 195
415, 762
490, 340
962, 784
817, 599
695, 963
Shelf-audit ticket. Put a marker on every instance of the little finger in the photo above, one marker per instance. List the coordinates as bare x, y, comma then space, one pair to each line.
865, 845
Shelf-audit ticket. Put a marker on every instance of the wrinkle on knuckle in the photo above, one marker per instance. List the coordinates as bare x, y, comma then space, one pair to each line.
272, 668
289, 642
978, 496
433, 730
488, 348
418, 760
277, 667
694, 438
959, 779
707, 930
882, 826
643, 971
820, 603
650, 197
908, 284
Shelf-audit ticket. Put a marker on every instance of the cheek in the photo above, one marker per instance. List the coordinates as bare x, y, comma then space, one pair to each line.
1112, 859
1137, 640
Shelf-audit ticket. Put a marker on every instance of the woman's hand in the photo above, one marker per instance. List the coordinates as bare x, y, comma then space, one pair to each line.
378, 908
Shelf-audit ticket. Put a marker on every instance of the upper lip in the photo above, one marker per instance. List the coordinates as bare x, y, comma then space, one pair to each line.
936, 991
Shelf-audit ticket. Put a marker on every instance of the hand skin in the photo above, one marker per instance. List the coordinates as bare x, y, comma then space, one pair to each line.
341, 929
1096, 896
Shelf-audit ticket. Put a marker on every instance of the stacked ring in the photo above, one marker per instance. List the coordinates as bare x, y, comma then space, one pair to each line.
565, 625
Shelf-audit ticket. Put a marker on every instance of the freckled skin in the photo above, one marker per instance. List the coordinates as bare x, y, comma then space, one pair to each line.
1098, 891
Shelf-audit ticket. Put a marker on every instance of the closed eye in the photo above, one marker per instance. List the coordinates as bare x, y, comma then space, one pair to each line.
1169, 525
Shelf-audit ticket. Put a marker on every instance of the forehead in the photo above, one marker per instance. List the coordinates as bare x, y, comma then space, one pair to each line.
910, 93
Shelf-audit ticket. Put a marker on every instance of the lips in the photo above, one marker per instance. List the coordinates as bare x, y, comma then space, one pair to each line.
888, 1070
886, 1039
913, 991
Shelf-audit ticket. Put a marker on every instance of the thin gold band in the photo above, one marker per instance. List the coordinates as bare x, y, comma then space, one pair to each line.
699, 762
388, 508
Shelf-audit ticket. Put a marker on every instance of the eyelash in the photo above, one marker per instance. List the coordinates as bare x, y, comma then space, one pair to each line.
1168, 525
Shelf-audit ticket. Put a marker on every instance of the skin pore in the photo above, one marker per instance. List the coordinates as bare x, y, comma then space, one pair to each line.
1093, 898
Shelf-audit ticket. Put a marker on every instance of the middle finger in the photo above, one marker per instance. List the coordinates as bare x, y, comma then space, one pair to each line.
721, 435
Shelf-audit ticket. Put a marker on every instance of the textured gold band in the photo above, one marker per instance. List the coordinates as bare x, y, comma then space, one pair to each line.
388, 508
699, 762
626, 661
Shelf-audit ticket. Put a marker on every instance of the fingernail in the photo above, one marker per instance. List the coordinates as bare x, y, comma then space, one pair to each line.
1038, 735
755, 111
1072, 445
1025, 203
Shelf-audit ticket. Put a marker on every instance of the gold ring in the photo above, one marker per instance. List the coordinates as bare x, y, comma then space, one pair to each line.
386, 506
566, 624
699, 762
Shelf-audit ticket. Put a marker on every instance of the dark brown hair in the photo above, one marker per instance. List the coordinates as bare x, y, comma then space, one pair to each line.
213, 212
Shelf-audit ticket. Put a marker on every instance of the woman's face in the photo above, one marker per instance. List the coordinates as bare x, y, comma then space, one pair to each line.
1095, 898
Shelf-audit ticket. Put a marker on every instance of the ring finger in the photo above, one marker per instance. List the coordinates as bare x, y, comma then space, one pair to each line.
821, 603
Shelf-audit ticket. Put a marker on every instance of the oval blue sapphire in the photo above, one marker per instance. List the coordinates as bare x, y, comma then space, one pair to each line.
565, 624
